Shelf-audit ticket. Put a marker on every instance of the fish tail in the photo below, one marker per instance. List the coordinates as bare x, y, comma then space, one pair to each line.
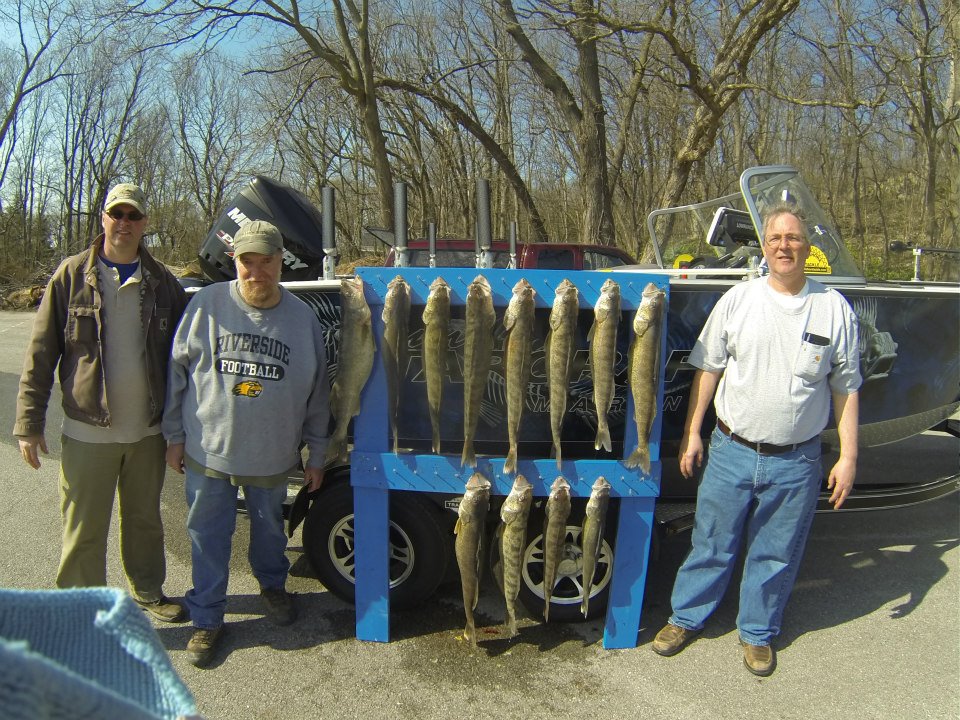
510, 466
639, 458
468, 458
511, 625
546, 609
335, 450
585, 605
435, 426
603, 437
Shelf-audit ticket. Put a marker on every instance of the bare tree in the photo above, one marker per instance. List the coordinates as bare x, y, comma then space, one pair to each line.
346, 45
582, 109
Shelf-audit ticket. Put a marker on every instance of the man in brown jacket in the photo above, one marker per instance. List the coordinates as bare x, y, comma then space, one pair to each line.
108, 318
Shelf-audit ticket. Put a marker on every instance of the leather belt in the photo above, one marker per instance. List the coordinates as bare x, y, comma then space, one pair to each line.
760, 448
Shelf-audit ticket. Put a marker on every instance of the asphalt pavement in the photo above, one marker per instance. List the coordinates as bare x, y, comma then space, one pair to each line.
872, 630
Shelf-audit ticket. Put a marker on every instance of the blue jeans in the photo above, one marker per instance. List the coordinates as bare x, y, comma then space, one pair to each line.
211, 520
767, 501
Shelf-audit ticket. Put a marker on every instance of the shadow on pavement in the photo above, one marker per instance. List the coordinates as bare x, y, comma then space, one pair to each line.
850, 570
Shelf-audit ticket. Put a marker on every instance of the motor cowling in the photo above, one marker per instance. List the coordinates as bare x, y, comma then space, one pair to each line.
297, 219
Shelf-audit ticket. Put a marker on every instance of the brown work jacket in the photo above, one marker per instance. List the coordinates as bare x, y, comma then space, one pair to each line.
68, 330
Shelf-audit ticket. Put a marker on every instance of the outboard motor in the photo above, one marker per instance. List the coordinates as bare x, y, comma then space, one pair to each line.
295, 216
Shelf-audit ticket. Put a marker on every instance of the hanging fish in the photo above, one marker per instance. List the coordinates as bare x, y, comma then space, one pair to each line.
436, 323
518, 321
469, 546
645, 371
603, 357
477, 352
560, 349
554, 537
357, 344
591, 536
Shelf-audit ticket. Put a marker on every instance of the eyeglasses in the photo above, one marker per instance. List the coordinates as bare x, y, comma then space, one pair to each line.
777, 240
132, 216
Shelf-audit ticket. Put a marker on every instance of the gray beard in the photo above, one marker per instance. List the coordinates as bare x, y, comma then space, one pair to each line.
257, 295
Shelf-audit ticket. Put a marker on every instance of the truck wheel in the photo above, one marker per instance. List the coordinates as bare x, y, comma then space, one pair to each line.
568, 590
418, 554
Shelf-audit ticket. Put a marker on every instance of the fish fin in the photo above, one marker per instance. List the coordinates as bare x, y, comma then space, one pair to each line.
603, 438
592, 332
335, 450
510, 466
468, 458
546, 610
585, 605
639, 458
456, 528
497, 567
334, 400
436, 443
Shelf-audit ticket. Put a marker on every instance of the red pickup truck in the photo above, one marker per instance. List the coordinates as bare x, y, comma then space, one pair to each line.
459, 252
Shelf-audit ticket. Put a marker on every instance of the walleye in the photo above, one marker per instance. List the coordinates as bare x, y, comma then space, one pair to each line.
645, 371
469, 546
554, 535
513, 539
396, 320
357, 344
477, 350
436, 321
603, 357
518, 321
591, 536
560, 348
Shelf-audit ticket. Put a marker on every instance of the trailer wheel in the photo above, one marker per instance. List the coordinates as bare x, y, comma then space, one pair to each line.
568, 589
418, 554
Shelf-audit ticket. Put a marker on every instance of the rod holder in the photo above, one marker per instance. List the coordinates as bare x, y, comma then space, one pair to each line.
401, 255
329, 227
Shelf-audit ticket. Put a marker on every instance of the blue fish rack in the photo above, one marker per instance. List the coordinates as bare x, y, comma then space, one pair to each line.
375, 470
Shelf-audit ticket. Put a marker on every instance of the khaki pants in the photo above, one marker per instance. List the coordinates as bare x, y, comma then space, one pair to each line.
90, 475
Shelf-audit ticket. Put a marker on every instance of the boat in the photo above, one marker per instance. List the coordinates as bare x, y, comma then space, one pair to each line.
909, 361
909, 330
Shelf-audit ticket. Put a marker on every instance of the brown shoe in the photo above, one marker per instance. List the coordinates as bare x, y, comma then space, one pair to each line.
672, 639
202, 645
760, 659
164, 609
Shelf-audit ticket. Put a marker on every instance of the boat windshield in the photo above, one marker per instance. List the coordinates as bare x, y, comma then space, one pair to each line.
725, 232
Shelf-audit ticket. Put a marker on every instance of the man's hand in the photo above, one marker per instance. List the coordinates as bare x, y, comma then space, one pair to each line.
175, 457
691, 454
28, 449
841, 480
313, 478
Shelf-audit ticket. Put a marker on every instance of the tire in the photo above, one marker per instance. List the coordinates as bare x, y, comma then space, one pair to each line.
568, 590
419, 548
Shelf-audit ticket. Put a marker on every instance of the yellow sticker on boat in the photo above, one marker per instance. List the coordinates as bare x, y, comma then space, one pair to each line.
817, 263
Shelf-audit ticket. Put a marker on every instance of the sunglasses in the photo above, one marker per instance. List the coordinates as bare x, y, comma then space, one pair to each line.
132, 216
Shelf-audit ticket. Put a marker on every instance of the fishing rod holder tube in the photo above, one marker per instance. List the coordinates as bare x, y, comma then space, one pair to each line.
329, 232
401, 254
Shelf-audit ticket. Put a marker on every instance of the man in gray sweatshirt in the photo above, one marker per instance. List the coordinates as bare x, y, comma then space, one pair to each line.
247, 388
